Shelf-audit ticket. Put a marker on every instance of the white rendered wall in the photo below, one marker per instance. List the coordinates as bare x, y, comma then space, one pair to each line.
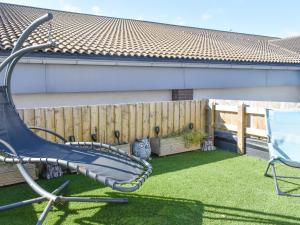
58, 78
73, 99
284, 93
278, 93
43, 84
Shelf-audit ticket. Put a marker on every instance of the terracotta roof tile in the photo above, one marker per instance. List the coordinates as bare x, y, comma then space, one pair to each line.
98, 35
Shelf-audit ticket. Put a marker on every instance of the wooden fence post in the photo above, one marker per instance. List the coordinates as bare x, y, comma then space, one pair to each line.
212, 121
203, 118
241, 129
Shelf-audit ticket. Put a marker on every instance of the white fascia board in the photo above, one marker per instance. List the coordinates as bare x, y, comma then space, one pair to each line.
221, 66
65, 61
131, 63
58, 61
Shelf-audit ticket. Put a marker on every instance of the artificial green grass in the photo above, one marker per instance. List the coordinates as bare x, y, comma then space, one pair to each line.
191, 188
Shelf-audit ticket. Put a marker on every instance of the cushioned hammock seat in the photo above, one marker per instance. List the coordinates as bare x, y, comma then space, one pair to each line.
18, 145
284, 143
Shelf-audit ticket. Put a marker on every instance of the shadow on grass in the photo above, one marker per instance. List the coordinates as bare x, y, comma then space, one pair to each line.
288, 186
12, 194
246, 216
290, 183
141, 209
145, 209
166, 207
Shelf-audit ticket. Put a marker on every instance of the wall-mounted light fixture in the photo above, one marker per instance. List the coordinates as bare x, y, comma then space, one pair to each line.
157, 130
117, 135
71, 138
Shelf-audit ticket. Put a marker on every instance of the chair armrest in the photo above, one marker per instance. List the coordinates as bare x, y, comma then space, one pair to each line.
50, 132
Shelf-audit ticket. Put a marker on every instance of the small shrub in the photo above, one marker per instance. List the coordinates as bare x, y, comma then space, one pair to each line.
193, 137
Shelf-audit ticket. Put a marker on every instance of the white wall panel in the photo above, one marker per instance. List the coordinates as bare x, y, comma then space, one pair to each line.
39, 85
53, 78
279, 93
75, 78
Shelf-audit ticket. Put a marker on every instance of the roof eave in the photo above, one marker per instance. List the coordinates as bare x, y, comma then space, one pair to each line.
84, 59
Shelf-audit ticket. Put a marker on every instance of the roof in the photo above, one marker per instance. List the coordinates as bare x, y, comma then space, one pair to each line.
92, 35
292, 43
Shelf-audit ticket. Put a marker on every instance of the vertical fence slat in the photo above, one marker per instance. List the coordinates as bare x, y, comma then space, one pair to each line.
86, 123
59, 122
132, 122
181, 115
187, 116
203, 116
139, 120
198, 115
29, 117
94, 121
176, 118
50, 123
193, 113
212, 120
77, 121
40, 121
164, 119
110, 124
68, 116
146, 121
152, 119
125, 123
102, 124
158, 116
118, 120
170, 117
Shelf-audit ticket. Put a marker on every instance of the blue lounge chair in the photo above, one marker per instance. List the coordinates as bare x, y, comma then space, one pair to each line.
284, 142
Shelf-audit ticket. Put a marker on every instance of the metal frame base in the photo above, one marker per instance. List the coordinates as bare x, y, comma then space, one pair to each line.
60, 199
275, 178
34, 200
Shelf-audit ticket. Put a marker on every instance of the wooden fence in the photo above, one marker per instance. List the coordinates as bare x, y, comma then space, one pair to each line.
132, 120
244, 118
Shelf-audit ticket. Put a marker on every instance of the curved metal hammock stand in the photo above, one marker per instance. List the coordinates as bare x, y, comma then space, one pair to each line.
18, 145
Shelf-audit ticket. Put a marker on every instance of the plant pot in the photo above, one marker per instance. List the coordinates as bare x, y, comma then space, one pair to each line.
9, 174
170, 146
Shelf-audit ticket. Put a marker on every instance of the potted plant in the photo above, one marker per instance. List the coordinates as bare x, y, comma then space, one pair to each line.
183, 141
